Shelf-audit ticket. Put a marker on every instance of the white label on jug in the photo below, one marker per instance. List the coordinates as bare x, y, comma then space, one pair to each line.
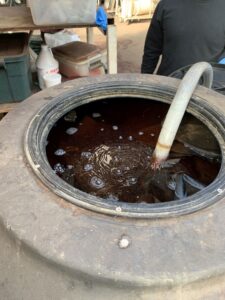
53, 71
42, 72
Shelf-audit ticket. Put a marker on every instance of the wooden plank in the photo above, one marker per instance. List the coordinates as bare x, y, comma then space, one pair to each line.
6, 107
13, 18
18, 18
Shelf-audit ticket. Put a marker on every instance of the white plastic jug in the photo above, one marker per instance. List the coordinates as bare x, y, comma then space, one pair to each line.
46, 64
52, 79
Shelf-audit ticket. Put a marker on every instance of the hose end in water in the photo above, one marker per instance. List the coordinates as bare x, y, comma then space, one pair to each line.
159, 156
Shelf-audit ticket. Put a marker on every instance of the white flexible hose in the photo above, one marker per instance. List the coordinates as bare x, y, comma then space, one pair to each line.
177, 109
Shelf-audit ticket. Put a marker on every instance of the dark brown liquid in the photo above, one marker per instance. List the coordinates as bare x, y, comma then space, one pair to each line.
106, 152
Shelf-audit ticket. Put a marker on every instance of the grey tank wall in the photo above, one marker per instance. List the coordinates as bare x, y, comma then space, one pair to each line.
25, 275
51, 249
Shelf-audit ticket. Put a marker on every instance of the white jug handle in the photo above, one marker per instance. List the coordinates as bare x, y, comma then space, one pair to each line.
50, 50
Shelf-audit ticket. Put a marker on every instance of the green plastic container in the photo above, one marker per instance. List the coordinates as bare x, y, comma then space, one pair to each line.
15, 72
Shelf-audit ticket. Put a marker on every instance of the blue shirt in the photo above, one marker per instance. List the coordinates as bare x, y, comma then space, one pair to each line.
101, 18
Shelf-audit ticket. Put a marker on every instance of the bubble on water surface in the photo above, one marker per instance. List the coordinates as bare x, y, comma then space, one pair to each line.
115, 127
127, 168
71, 130
141, 133
88, 167
116, 159
97, 182
131, 181
60, 152
130, 138
59, 168
117, 172
86, 154
96, 115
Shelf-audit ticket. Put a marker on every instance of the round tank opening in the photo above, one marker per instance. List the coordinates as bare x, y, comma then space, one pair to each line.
104, 148
92, 145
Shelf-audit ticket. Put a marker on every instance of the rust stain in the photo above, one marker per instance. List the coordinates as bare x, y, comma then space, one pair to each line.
163, 146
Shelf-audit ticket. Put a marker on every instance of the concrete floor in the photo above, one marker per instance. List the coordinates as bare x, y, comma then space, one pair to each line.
130, 39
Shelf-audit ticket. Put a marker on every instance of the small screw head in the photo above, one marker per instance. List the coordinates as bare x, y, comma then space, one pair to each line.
124, 242
118, 209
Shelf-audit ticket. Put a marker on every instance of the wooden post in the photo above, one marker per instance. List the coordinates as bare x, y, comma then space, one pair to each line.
117, 8
112, 49
90, 35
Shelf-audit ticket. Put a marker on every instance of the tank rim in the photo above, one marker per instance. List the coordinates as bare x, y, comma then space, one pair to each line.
42, 122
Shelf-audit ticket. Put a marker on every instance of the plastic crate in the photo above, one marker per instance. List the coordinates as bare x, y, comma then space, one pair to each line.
77, 59
52, 12
15, 74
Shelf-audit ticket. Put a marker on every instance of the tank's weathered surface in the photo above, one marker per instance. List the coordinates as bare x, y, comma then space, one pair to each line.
53, 249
